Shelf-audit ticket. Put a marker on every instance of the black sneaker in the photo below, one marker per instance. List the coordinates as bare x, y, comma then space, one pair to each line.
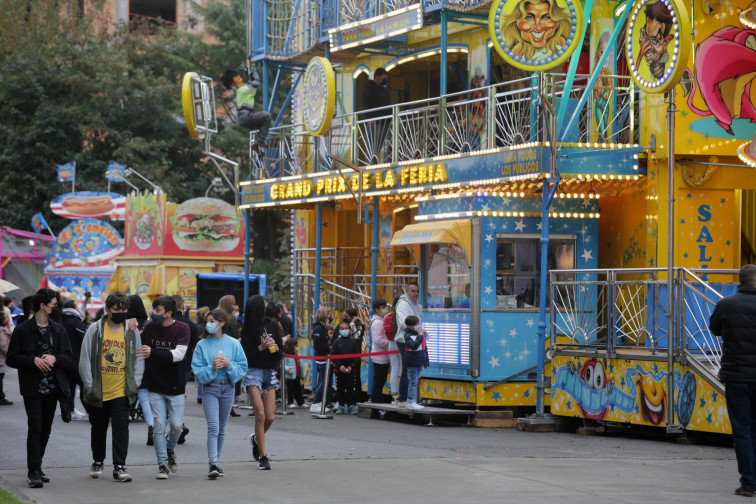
214, 472
738, 491
255, 448
6, 402
44, 477
182, 437
120, 474
150, 430
220, 472
96, 470
172, 461
35, 479
162, 472
264, 464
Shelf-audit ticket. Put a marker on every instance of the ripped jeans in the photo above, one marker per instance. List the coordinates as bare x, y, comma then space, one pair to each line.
170, 407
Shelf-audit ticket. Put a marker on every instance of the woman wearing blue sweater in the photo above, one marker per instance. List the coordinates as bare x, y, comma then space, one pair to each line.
218, 363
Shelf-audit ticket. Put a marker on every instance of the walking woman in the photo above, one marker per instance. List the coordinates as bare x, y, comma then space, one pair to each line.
218, 363
261, 341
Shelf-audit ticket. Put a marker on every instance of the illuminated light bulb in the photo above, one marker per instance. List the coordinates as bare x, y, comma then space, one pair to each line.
522, 194
569, 215
522, 214
582, 195
598, 195
635, 167
582, 216
509, 194
590, 215
509, 214
561, 214
569, 196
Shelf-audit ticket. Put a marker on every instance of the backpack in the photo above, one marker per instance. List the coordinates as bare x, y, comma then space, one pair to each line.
390, 325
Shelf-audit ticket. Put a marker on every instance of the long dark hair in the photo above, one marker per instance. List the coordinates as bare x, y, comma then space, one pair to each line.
254, 317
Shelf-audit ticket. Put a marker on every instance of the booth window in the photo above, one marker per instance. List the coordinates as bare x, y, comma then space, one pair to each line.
448, 279
518, 267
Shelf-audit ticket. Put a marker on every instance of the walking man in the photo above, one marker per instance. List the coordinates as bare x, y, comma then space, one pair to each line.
405, 307
165, 341
40, 350
110, 373
734, 319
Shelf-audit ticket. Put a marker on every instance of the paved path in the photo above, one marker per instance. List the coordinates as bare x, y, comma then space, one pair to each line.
375, 461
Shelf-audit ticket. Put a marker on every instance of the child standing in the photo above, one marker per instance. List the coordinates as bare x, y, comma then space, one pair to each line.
293, 372
346, 369
218, 363
415, 358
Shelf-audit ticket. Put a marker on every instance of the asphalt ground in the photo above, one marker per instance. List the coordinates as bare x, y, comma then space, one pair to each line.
374, 461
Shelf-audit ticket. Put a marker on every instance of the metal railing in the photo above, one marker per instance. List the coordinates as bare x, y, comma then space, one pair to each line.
627, 308
480, 119
352, 11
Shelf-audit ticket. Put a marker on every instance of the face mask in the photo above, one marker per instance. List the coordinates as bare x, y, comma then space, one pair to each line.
57, 313
211, 328
344, 333
118, 318
385, 311
413, 328
157, 319
235, 314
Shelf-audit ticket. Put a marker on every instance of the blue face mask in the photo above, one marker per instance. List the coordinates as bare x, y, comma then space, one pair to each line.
211, 327
344, 333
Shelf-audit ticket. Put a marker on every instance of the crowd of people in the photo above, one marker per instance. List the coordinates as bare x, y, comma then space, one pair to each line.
126, 361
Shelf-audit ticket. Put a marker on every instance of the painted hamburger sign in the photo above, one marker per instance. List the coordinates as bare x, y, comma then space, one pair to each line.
205, 225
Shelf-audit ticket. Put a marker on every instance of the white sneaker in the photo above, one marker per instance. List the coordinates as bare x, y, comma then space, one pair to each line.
291, 406
77, 416
401, 405
315, 408
304, 405
415, 406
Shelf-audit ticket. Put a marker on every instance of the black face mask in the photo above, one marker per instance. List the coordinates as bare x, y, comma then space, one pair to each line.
57, 314
119, 318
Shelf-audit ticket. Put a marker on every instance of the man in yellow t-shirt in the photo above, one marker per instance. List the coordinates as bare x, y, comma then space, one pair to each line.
111, 374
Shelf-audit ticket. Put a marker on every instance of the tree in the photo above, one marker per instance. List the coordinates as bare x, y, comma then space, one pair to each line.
74, 88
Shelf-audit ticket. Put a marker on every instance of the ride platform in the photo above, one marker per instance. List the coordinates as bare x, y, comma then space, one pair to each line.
387, 410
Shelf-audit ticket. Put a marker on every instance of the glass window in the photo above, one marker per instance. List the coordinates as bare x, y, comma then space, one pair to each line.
518, 267
448, 280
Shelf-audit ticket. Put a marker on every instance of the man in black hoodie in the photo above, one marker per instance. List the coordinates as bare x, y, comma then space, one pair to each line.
734, 319
73, 321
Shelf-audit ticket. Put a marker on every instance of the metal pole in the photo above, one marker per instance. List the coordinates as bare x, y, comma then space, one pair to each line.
671, 427
373, 282
540, 386
322, 415
246, 219
318, 255
283, 410
443, 52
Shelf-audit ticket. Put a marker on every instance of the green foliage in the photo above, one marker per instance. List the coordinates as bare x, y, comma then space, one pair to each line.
72, 91
74, 87
8, 498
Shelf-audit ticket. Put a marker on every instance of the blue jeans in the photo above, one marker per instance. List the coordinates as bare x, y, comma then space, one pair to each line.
144, 401
413, 377
263, 379
741, 406
403, 378
217, 399
170, 407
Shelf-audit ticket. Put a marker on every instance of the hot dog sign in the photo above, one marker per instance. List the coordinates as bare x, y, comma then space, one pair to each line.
88, 204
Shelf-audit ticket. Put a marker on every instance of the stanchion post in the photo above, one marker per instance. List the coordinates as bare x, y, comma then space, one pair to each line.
323, 400
283, 410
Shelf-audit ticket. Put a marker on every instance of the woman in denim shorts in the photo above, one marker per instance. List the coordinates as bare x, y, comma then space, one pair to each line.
261, 341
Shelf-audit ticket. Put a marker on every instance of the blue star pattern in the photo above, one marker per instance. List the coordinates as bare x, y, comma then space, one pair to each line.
496, 396
703, 403
714, 396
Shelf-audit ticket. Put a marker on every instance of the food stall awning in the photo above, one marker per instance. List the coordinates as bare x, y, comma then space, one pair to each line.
450, 231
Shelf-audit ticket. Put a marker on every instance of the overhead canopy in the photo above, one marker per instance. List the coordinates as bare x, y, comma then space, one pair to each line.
450, 231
